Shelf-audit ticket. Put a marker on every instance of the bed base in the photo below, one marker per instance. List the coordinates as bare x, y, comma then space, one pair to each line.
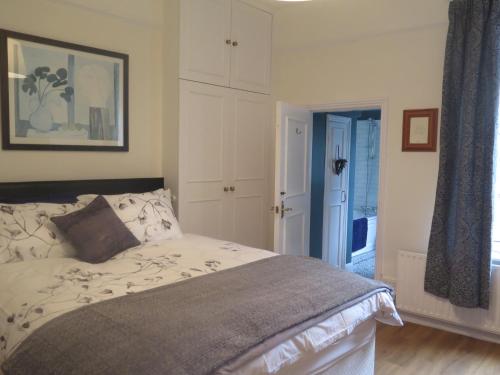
353, 354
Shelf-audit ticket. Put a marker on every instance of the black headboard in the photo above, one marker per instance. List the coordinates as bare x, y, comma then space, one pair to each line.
67, 191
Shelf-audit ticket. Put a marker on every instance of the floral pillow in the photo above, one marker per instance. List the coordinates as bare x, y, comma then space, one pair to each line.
149, 216
26, 232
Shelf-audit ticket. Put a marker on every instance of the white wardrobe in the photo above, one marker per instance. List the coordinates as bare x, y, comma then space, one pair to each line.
225, 120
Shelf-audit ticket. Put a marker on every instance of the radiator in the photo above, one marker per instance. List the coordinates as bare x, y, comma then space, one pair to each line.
411, 297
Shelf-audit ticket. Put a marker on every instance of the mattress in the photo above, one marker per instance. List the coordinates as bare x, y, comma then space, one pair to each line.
35, 292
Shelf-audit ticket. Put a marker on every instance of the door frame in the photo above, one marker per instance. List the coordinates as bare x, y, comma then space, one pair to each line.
365, 104
341, 256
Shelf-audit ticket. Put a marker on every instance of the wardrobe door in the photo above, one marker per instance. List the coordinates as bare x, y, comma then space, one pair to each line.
251, 36
204, 159
205, 46
250, 168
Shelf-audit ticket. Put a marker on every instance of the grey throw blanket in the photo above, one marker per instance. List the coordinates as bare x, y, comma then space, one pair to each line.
192, 327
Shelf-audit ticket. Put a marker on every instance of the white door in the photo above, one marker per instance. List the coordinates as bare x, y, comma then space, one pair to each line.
250, 168
251, 51
206, 114
205, 42
338, 140
293, 179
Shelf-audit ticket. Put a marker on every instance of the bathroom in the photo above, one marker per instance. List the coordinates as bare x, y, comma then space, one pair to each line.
344, 187
365, 182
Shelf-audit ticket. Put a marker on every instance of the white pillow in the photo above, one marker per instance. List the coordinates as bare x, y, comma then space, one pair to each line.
149, 216
27, 233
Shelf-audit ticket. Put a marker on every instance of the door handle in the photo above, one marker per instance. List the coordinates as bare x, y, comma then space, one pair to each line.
283, 209
343, 196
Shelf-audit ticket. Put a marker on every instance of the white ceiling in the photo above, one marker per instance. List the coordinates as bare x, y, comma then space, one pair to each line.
299, 24
144, 12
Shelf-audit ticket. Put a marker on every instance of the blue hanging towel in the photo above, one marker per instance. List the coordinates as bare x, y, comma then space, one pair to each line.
359, 233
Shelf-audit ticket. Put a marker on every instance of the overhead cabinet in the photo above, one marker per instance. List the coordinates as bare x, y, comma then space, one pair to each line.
223, 163
226, 43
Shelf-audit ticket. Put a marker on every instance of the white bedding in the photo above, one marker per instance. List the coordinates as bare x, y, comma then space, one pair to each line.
34, 292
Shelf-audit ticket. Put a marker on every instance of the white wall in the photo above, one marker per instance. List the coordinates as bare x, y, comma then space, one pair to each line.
394, 49
128, 26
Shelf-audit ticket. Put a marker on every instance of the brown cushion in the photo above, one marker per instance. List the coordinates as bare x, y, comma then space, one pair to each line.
96, 232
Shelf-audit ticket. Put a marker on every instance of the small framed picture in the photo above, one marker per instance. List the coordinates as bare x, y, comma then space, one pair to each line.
420, 129
62, 96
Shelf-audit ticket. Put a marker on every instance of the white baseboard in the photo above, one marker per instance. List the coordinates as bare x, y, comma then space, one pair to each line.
449, 327
442, 325
411, 298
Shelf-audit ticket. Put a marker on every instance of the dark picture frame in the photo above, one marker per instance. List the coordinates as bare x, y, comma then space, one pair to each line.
420, 128
105, 125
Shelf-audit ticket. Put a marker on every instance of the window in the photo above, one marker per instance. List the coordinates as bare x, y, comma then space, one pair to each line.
496, 235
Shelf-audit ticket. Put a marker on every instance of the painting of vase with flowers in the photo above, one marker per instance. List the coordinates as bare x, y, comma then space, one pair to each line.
62, 96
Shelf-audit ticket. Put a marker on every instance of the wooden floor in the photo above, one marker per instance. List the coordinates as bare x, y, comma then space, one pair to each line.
415, 350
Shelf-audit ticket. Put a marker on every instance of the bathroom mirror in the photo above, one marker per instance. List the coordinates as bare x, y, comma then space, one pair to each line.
420, 129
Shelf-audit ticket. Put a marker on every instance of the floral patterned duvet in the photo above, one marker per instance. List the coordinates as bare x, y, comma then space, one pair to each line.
34, 292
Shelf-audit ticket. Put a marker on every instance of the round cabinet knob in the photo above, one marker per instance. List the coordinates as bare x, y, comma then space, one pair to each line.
228, 41
235, 44
232, 188
226, 189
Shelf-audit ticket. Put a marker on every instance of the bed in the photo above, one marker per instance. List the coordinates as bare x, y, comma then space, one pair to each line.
36, 293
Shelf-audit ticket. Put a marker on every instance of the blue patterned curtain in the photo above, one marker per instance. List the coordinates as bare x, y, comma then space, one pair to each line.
459, 257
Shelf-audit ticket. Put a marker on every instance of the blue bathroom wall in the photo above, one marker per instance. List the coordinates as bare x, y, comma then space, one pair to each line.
318, 177
317, 184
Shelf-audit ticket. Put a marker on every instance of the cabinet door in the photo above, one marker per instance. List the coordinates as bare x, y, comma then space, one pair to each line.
204, 159
250, 168
205, 26
251, 57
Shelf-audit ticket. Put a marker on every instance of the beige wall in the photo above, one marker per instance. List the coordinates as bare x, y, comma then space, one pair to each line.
128, 26
394, 50
170, 99
402, 64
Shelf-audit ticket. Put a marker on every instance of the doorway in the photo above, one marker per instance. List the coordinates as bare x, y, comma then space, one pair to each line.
348, 229
345, 162
350, 189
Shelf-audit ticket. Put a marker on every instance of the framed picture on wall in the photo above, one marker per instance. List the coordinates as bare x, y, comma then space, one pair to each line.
420, 129
62, 96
